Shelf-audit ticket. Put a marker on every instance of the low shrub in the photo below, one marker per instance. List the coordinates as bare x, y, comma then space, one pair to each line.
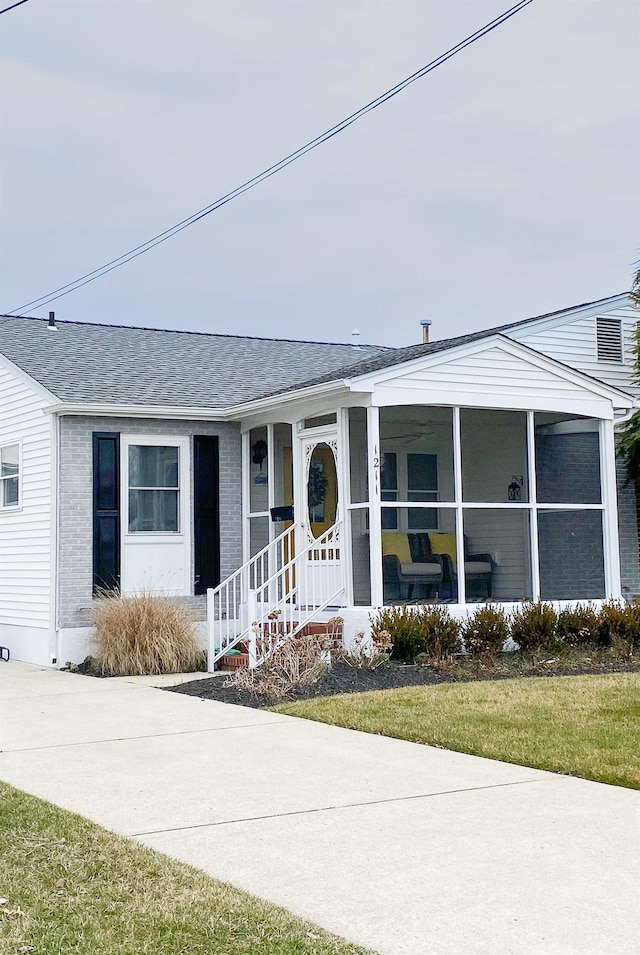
534, 627
427, 631
403, 627
146, 633
578, 626
618, 626
485, 633
300, 661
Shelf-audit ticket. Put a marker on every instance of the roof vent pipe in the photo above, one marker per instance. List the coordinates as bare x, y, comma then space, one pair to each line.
52, 322
426, 324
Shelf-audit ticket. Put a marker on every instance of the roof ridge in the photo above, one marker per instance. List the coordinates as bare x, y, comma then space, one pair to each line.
184, 331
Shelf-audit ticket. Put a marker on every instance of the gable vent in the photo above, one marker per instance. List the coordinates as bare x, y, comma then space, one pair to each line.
609, 339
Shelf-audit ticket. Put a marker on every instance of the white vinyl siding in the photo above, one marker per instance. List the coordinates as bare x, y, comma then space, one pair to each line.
576, 344
495, 378
25, 531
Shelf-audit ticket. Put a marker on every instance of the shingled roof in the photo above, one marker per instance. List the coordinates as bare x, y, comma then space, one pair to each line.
122, 365
397, 356
115, 364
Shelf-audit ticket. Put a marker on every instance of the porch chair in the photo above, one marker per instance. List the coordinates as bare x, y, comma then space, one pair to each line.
405, 562
478, 568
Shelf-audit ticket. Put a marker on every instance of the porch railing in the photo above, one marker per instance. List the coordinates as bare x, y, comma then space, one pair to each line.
274, 595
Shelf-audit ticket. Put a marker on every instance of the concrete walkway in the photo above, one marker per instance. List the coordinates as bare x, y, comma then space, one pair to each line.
403, 848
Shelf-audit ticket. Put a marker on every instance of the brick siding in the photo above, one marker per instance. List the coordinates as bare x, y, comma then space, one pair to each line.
75, 581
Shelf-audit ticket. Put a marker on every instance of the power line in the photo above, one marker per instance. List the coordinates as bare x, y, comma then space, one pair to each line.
161, 237
18, 4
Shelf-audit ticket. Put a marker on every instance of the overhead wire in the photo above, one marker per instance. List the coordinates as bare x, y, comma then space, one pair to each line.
13, 5
339, 127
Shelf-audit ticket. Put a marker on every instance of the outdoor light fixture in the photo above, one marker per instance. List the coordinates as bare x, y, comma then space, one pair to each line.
259, 452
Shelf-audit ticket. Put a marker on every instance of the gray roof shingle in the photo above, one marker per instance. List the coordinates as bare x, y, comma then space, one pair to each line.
397, 356
117, 364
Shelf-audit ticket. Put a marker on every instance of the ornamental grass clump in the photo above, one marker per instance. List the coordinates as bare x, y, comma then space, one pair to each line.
484, 634
534, 627
145, 633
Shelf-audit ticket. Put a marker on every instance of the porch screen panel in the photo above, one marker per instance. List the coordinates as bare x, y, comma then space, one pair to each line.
416, 443
283, 464
567, 460
571, 555
497, 554
494, 455
258, 539
419, 565
361, 573
258, 477
358, 455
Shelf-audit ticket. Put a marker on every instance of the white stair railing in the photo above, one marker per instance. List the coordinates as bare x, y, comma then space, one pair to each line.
228, 616
311, 581
274, 595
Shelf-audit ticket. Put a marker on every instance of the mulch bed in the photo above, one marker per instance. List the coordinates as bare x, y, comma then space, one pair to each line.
342, 678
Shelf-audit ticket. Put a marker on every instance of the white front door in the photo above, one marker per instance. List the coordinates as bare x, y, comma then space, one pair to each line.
156, 514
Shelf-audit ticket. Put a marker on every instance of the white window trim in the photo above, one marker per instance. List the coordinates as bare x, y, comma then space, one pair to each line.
182, 442
13, 508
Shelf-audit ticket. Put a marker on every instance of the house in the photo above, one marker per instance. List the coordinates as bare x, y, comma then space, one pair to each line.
289, 480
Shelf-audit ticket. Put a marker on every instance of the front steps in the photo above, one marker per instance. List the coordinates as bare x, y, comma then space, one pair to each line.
240, 659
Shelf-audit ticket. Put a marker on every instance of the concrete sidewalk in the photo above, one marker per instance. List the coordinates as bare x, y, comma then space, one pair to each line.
404, 848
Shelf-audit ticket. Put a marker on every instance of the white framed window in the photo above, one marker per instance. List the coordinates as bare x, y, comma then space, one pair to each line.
10, 491
411, 477
153, 484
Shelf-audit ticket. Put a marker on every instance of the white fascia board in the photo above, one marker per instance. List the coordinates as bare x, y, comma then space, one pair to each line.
233, 413
568, 315
597, 408
620, 398
137, 411
27, 380
312, 392
293, 412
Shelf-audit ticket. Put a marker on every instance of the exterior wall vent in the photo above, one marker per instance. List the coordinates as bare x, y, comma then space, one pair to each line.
609, 339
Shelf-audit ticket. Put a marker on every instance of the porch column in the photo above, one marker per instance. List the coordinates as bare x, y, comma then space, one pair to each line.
344, 500
375, 515
457, 477
246, 490
534, 554
611, 543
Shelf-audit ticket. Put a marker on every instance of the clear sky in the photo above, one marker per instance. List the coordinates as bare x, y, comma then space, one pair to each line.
503, 185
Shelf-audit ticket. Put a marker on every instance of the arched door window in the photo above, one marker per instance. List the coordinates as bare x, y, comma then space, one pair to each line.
322, 489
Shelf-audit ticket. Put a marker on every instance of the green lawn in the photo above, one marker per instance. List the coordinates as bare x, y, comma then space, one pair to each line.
74, 889
580, 725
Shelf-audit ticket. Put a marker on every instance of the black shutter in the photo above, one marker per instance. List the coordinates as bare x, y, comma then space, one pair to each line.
106, 511
206, 512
